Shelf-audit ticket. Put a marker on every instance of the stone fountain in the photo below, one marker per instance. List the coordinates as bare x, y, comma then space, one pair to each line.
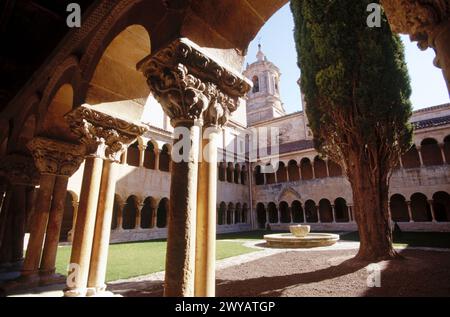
300, 237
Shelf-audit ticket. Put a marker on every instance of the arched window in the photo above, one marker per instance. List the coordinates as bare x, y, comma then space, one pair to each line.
285, 215
411, 158
255, 81
230, 171
164, 159
244, 176
150, 156
420, 209
222, 213
133, 155
341, 210
244, 213
270, 177
447, 149
273, 213
261, 215
334, 169
237, 213
259, 177
162, 213
325, 211
320, 168
230, 212
294, 174
237, 173
297, 212
129, 213
311, 211
306, 169
281, 173
147, 213
222, 171
431, 153
399, 208
441, 206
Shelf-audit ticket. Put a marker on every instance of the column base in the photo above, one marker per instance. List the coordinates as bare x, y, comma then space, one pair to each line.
99, 292
75, 292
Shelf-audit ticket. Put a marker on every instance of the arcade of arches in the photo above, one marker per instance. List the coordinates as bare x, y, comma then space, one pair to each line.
86, 143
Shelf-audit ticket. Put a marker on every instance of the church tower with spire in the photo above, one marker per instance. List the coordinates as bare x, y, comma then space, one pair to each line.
263, 102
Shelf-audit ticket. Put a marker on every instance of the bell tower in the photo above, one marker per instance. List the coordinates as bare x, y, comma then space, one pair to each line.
263, 101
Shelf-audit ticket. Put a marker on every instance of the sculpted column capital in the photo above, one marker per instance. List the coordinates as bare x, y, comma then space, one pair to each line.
103, 135
191, 85
56, 157
19, 169
421, 19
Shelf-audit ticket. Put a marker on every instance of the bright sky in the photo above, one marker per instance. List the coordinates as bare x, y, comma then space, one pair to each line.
276, 38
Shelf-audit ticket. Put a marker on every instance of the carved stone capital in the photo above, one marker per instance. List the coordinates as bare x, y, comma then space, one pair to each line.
418, 18
102, 134
191, 85
19, 170
56, 157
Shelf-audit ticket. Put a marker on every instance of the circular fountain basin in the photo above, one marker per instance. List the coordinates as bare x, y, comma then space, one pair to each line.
312, 240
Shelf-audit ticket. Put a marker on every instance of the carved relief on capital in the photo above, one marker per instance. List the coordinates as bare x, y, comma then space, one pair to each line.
19, 169
190, 85
418, 18
56, 157
103, 135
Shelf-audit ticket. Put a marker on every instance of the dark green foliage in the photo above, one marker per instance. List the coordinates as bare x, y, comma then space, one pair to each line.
354, 78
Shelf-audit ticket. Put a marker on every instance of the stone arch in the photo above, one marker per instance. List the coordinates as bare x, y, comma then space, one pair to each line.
230, 211
285, 215
293, 171
311, 211
447, 149
162, 213
297, 212
244, 175
164, 158
259, 177
420, 208
237, 213
334, 169
431, 153
130, 210
441, 206
399, 208
133, 154
261, 215
222, 213
116, 62
320, 168
255, 81
147, 213
325, 211
341, 210
270, 177
281, 173
306, 169
237, 173
411, 158
273, 212
230, 170
150, 155
244, 218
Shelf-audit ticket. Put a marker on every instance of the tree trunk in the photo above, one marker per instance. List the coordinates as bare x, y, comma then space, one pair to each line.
370, 199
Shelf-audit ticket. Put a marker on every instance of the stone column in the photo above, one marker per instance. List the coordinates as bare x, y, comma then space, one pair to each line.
139, 207
120, 216
74, 221
328, 169
141, 154
408, 203
419, 151
433, 216
442, 147
106, 138
426, 22
186, 81
333, 213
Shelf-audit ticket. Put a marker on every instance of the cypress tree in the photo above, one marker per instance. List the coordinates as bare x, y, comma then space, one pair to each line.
357, 90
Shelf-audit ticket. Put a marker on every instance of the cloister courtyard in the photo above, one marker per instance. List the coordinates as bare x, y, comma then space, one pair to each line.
247, 267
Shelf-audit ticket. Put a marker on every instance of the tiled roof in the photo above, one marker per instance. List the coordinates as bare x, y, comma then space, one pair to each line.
294, 146
434, 122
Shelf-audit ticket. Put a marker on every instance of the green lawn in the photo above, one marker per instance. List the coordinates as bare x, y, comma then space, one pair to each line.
127, 260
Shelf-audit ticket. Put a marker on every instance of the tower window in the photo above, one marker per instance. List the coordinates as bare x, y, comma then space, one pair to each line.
255, 84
